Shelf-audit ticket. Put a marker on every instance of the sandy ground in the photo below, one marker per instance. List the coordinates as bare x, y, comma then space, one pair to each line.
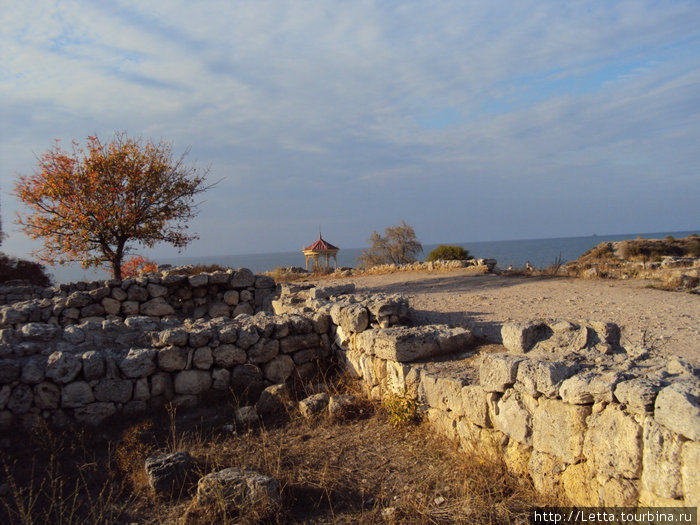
667, 323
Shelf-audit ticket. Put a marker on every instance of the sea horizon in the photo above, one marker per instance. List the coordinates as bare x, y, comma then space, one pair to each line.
539, 252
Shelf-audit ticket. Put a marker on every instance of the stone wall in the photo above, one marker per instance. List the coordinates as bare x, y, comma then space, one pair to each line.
562, 402
161, 295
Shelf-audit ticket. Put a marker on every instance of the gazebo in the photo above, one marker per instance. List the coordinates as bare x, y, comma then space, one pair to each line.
320, 248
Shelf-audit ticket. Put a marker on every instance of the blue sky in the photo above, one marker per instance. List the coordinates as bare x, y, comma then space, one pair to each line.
469, 120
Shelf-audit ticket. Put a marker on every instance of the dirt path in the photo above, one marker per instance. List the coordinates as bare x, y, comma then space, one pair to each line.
666, 322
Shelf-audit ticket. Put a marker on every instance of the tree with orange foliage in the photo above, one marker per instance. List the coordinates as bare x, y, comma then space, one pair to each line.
90, 204
138, 265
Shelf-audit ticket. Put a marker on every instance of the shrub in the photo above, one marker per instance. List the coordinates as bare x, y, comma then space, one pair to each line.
447, 252
401, 410
12, 269
138, 265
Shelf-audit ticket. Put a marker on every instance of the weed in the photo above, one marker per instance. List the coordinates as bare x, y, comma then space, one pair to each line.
401, 410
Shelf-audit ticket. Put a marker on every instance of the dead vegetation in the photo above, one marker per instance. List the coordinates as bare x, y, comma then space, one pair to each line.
360, 468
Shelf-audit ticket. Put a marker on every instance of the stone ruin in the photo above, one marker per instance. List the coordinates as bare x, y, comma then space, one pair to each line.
561, 401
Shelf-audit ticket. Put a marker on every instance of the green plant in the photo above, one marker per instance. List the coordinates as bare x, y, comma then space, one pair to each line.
447, 252
401, 410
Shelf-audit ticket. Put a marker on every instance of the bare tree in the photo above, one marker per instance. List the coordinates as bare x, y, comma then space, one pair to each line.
398, 246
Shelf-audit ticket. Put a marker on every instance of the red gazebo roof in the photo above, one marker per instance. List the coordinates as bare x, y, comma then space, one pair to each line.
320, 246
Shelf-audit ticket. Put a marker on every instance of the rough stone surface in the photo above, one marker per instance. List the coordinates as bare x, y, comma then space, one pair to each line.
406, 344
117, 390
76, 394
235, 489
662, 460
690, 472
521, 337
559, 428
246, 416
227, 355
580, 484
474, 405
93, 365
63, 367
498, 372
203, 358
138, 362
638, 394
678, 408
279, 369
313, 405
168, 474
513, 419
172, 358
47, 396
95, 413
353, 318
273, 400
192, 382
614, 443
545, 471
589, 387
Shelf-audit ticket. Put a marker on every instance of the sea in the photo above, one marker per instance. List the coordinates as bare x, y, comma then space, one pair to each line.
540, 253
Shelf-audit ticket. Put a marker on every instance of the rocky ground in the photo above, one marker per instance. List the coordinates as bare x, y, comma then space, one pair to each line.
666, 323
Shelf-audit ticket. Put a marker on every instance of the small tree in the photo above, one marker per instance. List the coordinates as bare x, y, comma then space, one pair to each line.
447, 252
88, 206
398, 246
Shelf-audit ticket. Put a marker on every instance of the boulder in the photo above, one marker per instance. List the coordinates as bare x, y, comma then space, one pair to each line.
227, 355
172, 358
235, 490
246, 416
21, 399
47, 396
313, 405
93, 365
203, 358
169, 474
63, 367
273, 400
279, 369
34, 370
39, 332
77, 394
406, 344
192, 382
498, 372
138, 362
156, 307
243, 278
521, 337
353, 318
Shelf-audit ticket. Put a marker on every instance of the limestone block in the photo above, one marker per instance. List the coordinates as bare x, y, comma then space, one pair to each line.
498, 372
526, 379
203, 358
228, 333
228, 355
141, 389
247, 336
130, 307
119, 294
550, 375
589, 387
619, 492
39, 332
111, 306
559, 428
517, 457
279, 369
221, 378
677, 407
580, 485
246, 296
263, 351
156, 307
322, 322
95, 413
443, 422
564, 336
443, 393
92, 310
138, 362
156, 290
173, 336
690, 473
406, 344
219, 310
546, 472
162, 385
614, 443
474, 405
273, 400
342, 406
231, 297
246, 416
521, 337
243, 278
196, 281
172, 358
513, 419
76, 394
661, 472
168, 474
294, 343
21, 399
638, 394
402, 379
63, 367
117, 390
78, 300
34, 370
93, 365
192, 382
606, 332
137, 293
47, 396
313, 405
353, 318
247, 381
233, 489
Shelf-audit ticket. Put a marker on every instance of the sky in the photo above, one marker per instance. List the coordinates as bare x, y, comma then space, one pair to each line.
470, 120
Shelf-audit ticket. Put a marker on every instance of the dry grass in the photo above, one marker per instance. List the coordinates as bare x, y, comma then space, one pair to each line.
360, 469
